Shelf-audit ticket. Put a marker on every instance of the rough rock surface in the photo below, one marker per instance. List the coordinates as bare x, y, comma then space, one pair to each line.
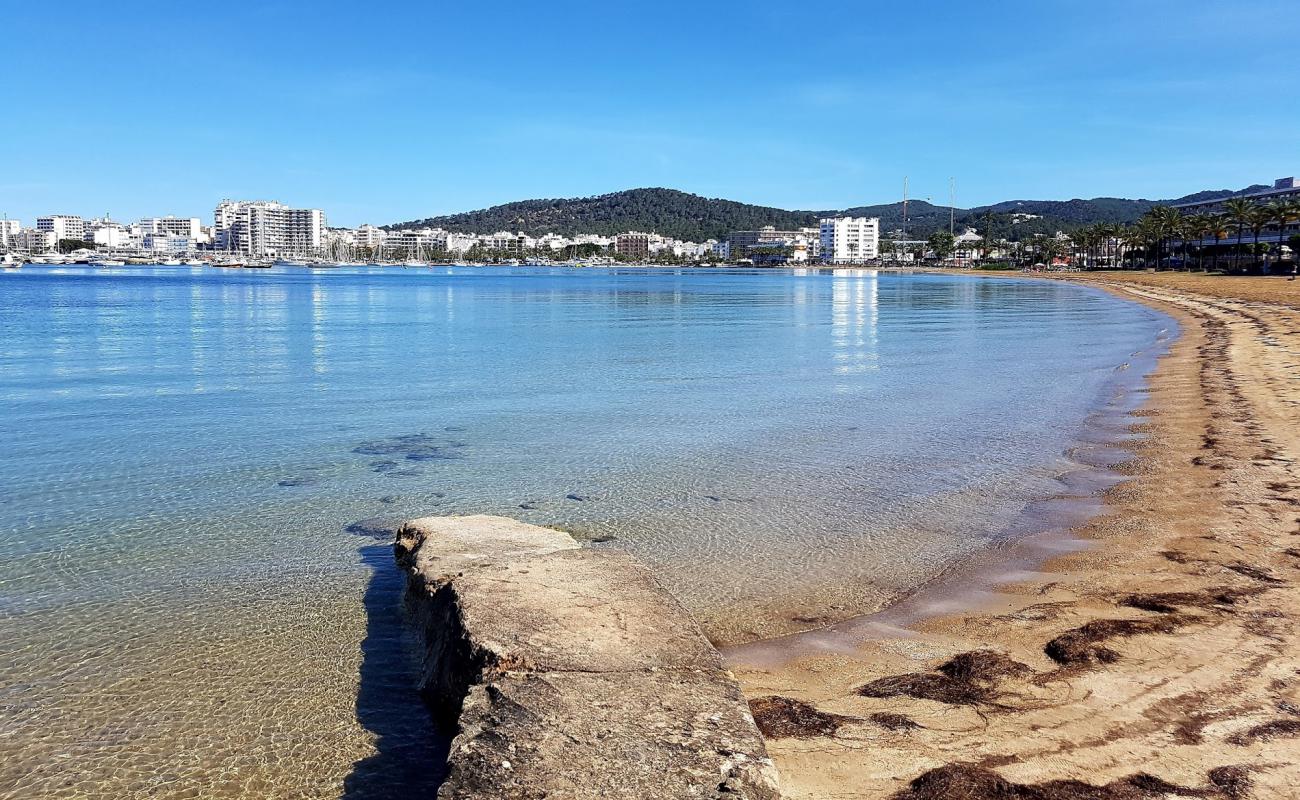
574, 674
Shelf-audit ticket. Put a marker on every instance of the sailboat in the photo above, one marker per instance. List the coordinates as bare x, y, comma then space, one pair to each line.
418, 261
9, 262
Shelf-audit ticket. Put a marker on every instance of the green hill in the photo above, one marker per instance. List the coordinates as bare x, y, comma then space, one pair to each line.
689, 216
665, 211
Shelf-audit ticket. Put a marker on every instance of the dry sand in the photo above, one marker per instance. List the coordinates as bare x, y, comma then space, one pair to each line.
1162, 662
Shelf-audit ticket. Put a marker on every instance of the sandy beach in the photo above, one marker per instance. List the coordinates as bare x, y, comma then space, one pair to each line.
1163, 660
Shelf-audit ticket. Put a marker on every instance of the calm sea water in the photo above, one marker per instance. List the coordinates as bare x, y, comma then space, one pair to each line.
182, 607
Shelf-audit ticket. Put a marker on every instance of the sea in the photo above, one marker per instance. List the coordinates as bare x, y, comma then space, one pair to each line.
202, 469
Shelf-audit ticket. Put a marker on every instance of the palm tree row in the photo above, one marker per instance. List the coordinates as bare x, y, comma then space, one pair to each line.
1154, 234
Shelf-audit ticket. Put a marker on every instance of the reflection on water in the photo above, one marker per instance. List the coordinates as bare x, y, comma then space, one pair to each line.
182, 609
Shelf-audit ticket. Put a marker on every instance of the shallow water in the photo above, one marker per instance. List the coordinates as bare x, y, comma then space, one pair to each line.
183, 613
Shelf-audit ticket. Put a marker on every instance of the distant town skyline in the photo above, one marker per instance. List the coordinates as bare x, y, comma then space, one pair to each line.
415, 110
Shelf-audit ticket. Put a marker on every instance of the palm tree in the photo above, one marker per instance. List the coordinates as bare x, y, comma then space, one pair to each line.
1158, 224
1219, 230
1121, 235
1200, 226
1260, 217
1239, 212
1168, 221
1283, 212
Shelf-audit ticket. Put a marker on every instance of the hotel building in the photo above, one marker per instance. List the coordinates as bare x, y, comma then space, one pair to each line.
633, 244
740, 244
1283, 189
62, 226
850, 240
262, 228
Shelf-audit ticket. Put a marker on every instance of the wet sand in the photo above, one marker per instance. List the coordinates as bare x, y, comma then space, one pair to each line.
1162, 658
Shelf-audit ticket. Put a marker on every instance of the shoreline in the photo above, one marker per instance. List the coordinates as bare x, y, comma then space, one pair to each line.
1119, 707
1098, 455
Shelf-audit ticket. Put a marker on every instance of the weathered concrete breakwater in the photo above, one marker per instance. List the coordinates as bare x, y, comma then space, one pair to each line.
572, 672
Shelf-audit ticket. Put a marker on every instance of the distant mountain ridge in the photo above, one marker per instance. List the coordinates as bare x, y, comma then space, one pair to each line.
682, 215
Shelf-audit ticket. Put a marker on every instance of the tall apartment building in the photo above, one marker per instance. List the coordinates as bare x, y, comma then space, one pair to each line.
63, 226
850, 240
263, 228
741, 244
633, 244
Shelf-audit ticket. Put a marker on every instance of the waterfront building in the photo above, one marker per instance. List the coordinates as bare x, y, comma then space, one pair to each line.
460, 243
369, 236
632, 244
1283, 189
507, 242
967, 246
416, 241
265, 228
35, 241
104, 232
849, 240
189, 227
551, 241
63, 226
167, 243
9, 229
742, 243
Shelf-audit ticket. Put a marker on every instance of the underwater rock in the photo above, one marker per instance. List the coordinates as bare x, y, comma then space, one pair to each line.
384, 528
300, 481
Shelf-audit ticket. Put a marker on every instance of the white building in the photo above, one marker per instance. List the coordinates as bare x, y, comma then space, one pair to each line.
167, 243
107, 233
9, 229
35, 241
262, 228
189, 227
422, 241
369, 236
849, 240
63, 226
460, 243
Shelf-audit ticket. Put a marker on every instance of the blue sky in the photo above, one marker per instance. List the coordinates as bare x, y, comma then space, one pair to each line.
388, 111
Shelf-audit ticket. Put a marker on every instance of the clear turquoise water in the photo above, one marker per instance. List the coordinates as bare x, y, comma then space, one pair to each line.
177, 586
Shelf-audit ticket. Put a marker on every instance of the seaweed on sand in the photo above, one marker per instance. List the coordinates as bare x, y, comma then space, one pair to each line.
784, 717
893, 722
1274, 729
970, 782
1251, 571
967, 679
1220, 598
1087, 643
